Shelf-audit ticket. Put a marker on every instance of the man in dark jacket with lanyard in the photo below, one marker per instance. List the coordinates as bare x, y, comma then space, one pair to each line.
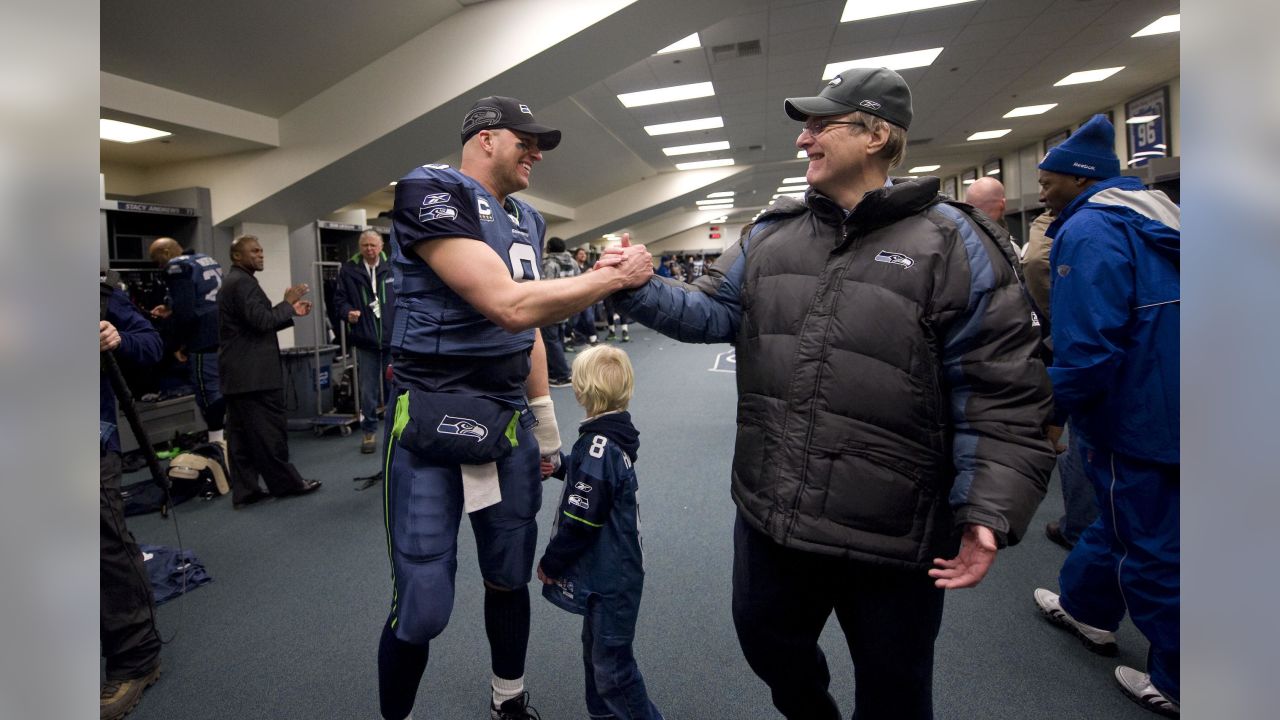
365, 299
130, 642
249, 356
891, 407
1115, 373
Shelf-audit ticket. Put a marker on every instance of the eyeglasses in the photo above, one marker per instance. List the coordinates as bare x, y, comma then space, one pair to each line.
816, 126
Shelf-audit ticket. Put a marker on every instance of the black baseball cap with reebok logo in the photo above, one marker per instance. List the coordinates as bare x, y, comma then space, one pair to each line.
496, 111
878, 91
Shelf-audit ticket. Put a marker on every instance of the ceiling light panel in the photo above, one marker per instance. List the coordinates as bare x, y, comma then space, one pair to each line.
794, 180
924, 168
123, 132
1026, 110
710, 123
802, 155
715, 201
704, 164
866, 9
1166, 24
1088, 76
1141, 119
688, 43
726, 193
792, 188
696, 148
897, 61
666, 94
989, 134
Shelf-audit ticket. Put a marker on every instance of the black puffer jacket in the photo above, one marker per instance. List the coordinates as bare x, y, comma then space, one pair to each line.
888, 387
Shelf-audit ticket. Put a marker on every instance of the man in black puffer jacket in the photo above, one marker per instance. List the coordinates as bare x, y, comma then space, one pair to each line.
891, 406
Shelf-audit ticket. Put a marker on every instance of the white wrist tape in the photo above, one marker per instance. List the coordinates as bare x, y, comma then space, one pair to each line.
546, 431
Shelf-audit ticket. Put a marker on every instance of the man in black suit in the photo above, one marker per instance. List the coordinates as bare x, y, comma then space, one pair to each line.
249, 358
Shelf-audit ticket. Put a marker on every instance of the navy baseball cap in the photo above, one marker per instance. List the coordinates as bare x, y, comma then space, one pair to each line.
496, 111
878, 91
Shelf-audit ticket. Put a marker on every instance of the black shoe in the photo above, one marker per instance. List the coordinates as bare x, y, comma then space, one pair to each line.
611, 336
626, 336
254, 497
1053, 531
119, 697
308, 486
517, 708
560, 382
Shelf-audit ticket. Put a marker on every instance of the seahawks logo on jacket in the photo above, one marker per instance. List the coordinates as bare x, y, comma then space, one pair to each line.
895, 258
467, 427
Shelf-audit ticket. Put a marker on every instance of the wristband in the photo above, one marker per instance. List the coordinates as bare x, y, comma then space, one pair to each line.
546, 431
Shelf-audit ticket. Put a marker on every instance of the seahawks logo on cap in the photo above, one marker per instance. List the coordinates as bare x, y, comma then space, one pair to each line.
483, 116
835, 82
870, 104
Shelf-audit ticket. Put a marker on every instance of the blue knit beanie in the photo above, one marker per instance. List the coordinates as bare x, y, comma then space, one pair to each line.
1089, 152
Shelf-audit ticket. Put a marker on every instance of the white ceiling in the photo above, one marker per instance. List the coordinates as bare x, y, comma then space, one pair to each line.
999, 54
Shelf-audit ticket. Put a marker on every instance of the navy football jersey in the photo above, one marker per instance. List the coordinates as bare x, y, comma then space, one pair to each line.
193, 280
436, 201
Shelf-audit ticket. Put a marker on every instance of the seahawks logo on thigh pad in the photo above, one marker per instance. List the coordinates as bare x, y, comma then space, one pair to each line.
462, 426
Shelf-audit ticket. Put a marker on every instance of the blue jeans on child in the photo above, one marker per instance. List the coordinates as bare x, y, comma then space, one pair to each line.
615, 688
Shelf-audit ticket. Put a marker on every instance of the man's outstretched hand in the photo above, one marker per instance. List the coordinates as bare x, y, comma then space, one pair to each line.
977, 554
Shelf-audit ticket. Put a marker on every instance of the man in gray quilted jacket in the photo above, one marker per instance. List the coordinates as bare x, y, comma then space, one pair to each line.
891, 406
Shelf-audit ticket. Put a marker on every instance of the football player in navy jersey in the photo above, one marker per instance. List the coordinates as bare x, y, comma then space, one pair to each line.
466, 319
193, 280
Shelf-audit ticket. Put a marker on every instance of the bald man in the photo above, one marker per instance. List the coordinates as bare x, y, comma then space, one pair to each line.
192, 281
251, 379
987, 194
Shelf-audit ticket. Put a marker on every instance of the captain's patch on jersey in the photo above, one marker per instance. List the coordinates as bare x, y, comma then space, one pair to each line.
482, 207
437, 212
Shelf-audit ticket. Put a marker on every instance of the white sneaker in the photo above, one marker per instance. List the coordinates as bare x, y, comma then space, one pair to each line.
1137, 685
1102, 642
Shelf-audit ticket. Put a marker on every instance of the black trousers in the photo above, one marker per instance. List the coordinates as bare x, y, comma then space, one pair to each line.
890, 617
129, 639
258, 443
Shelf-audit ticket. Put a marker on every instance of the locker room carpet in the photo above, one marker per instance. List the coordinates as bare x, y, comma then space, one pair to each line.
289, 627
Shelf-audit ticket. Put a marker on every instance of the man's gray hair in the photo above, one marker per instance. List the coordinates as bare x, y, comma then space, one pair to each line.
895, 148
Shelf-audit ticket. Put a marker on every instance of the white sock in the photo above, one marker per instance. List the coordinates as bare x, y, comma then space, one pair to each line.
504, 690
215, 436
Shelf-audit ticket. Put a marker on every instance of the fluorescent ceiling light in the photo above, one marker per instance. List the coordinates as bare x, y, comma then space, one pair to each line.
864, 9
924, 168
722, 218
794, 180
667, 94
897, 61
798, 196
994, 172
710, 123
969, 182
718, 208
1088, 76
696, 148
726, 193
1141, 119
1166, 24
393, 183
123, 132
688, 43
704, 164
1030, 110
989, 134
802, 155
792, 188
716, 201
